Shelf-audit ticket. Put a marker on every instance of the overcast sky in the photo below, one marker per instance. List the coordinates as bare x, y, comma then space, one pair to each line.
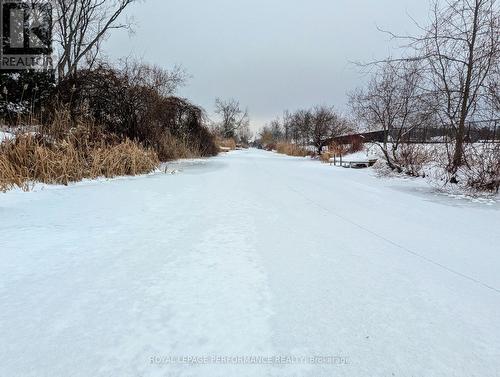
270, 55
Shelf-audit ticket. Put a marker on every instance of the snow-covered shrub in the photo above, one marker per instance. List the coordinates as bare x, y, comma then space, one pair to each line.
482, 171
412, 159
405, 158
382, 169
479, 175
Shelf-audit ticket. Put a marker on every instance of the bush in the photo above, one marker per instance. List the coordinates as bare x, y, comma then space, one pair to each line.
271, 147
23, 93
411, 159
482, 171
105, 122
134, 103
292, 150
326, 157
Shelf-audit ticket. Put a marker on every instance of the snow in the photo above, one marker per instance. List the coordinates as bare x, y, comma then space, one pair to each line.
5, 136
249, 254
365, 155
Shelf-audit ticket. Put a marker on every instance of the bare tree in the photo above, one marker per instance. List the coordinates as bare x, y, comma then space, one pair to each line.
325, 125
266, 137
276, 129
494, 90
395, 103
300, 125
316, 126
232, 117
287, 125
459, 51
81, 26
244, 134
462, 46
163, 81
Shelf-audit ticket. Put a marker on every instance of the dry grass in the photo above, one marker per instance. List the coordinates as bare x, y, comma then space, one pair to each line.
125, 158
292, 150
74, 149
29, 159
226, 144
171, 148
326, 157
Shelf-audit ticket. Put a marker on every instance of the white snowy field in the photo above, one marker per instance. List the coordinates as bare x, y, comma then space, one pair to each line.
250, 254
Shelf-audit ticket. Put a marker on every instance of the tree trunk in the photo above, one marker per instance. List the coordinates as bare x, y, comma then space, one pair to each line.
458, 156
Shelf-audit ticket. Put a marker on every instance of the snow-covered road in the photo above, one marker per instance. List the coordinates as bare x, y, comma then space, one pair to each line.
241, 260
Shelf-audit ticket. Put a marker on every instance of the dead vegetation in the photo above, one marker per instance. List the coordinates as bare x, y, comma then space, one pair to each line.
482, 173
88, 118
227, 144
292, 150
411, 159
31, 158
104, 122
326, 157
